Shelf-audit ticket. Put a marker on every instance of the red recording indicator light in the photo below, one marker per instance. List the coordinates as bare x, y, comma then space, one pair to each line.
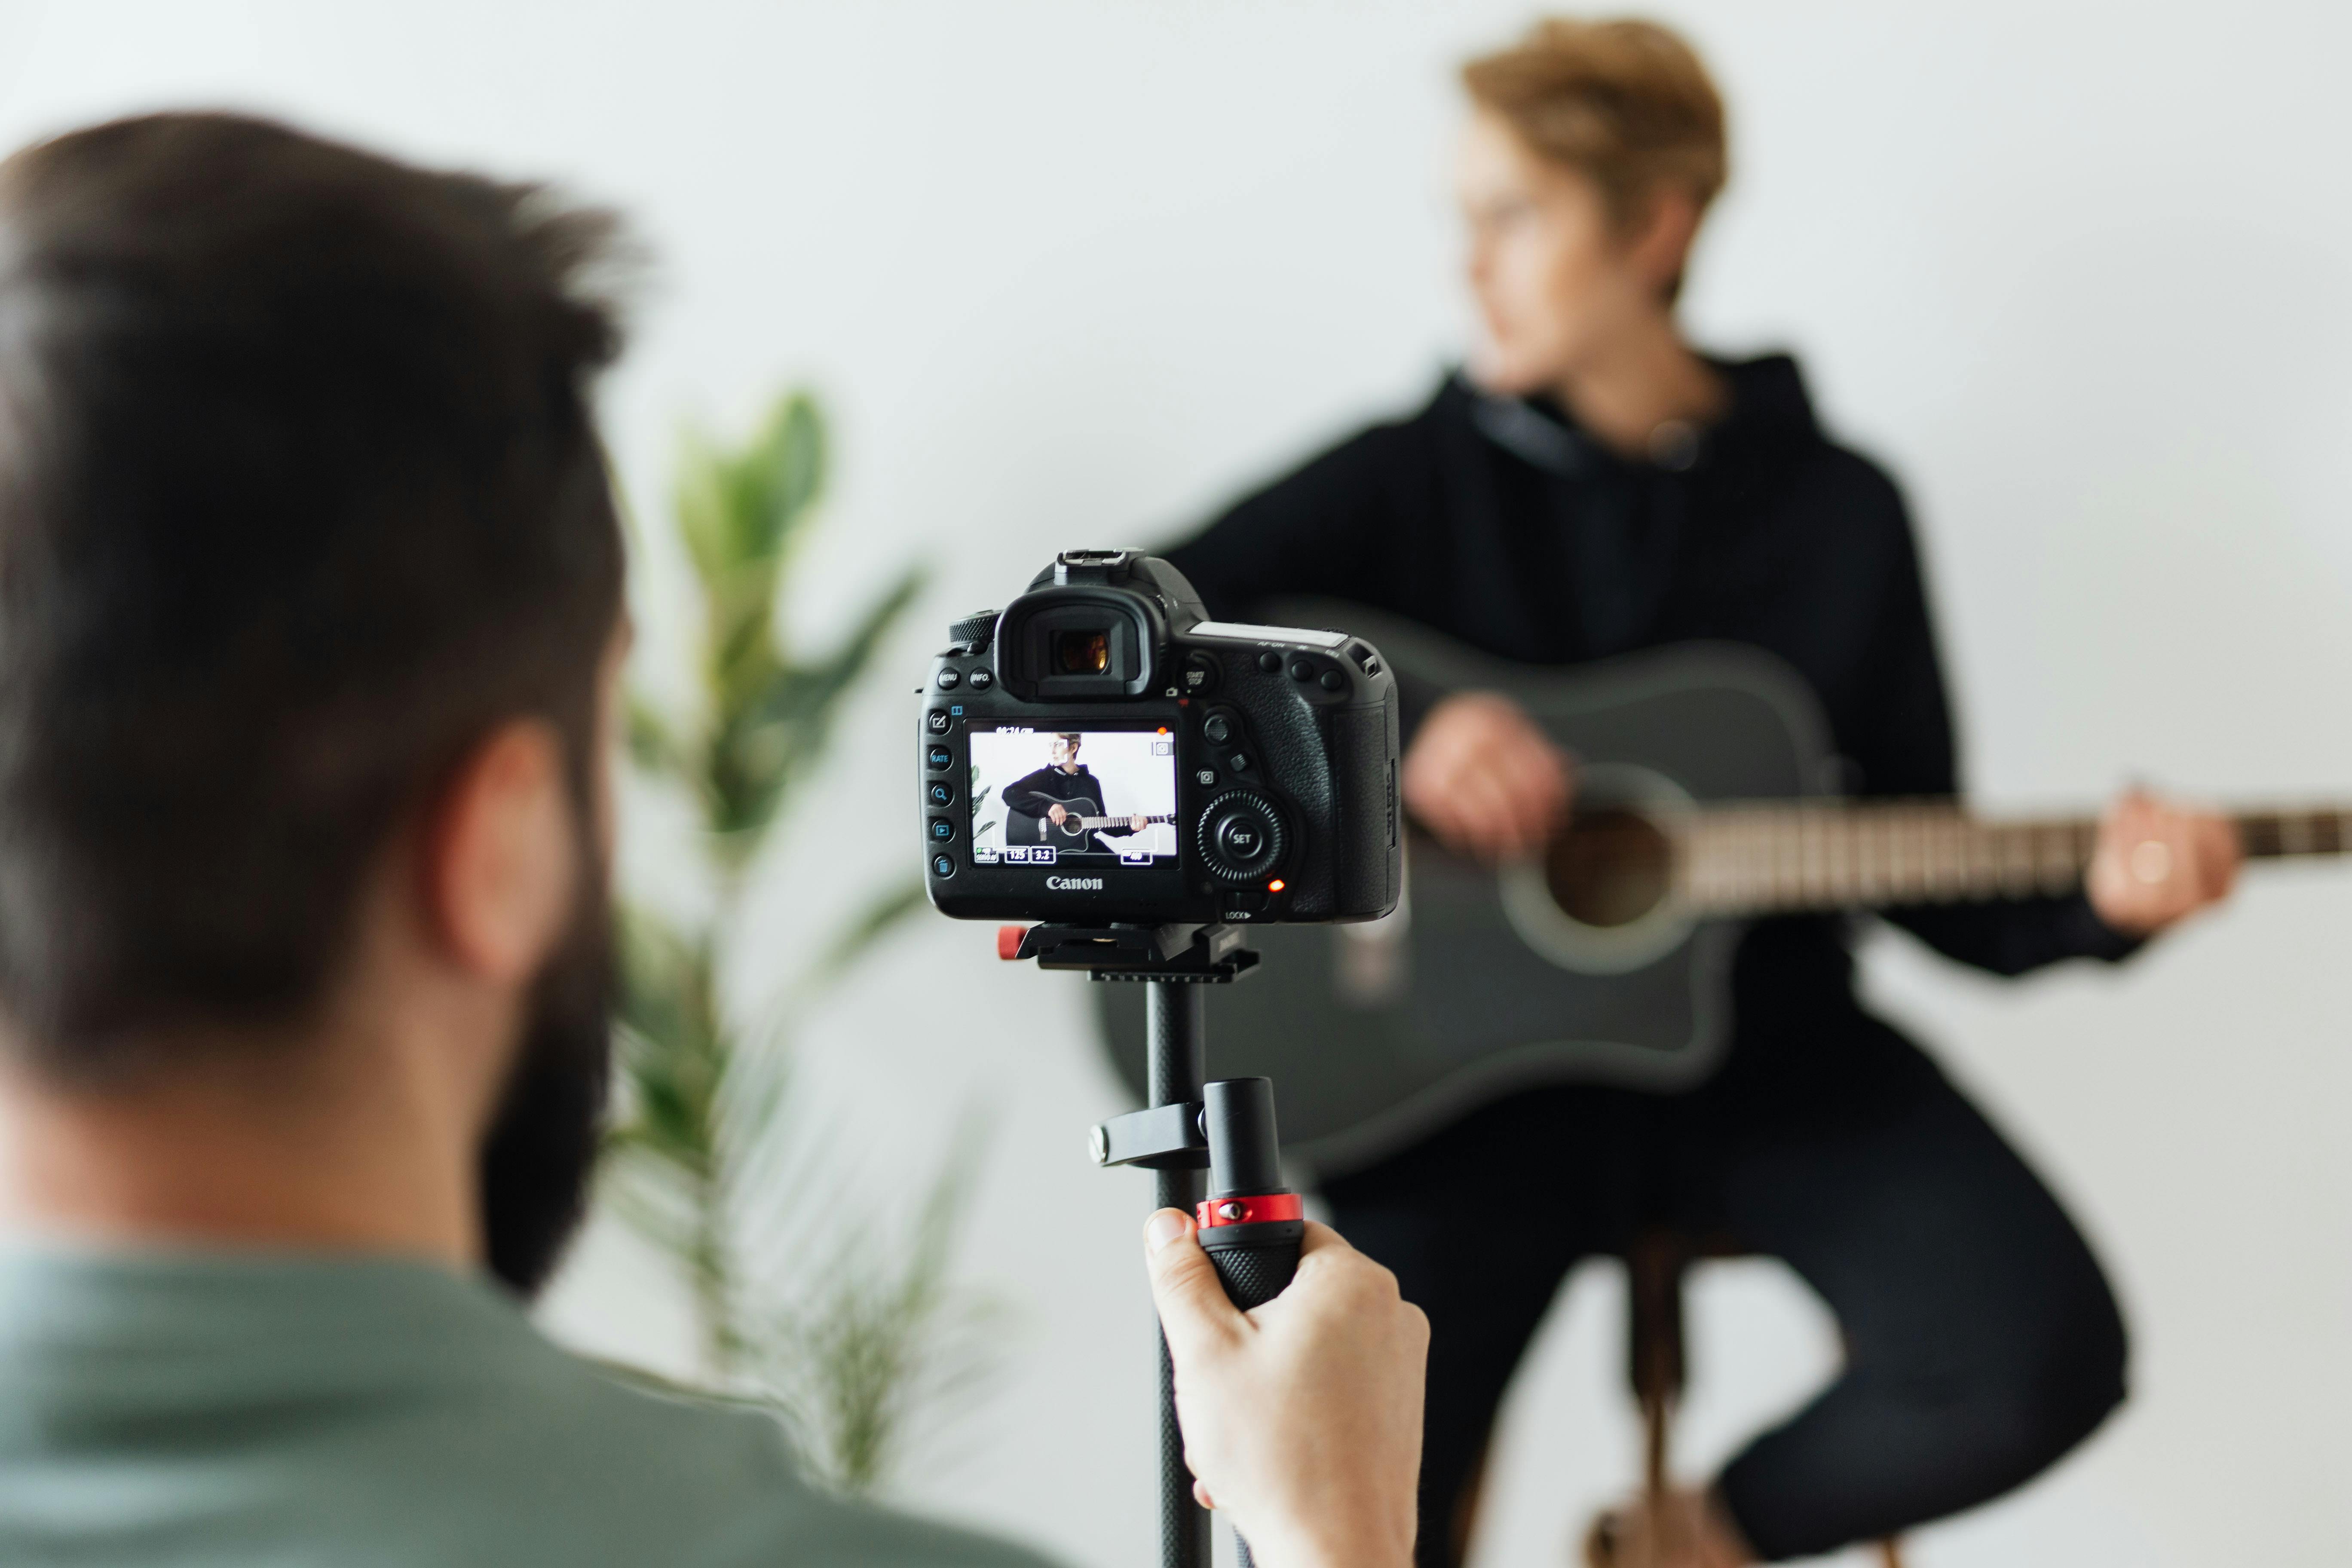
1276, 886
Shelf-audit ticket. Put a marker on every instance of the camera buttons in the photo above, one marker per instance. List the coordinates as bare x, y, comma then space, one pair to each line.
1199, 675
949, 679
942, 865
1218, 728
942, 829
938, 759
1206, 778
1332, 680
980, 679
1269, 662
936, 721
941, 793
1239, 761
1302, 669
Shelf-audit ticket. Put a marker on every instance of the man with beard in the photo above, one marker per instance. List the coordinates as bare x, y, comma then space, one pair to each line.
310, 623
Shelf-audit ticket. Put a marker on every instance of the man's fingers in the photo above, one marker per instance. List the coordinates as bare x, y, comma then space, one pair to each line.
1321, 1237
1452, 813
1487, 822
2223, 853
1193, 1307
1540, 791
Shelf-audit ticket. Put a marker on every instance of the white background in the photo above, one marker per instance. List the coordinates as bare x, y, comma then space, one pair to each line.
1070, 274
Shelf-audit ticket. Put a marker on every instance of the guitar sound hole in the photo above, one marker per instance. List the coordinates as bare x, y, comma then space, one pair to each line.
1609, 867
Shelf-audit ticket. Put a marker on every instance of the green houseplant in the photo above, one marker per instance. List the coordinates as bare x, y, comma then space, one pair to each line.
803, 1298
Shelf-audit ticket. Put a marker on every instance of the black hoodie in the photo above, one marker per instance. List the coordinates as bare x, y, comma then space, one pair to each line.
1500, 523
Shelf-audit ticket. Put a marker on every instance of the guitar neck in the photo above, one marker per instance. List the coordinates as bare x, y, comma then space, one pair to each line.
1091, 823
1782, 857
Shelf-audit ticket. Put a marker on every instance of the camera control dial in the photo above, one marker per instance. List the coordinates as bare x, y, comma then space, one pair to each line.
1240, 837
974, 632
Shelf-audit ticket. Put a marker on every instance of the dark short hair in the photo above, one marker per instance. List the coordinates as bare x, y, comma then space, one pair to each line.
300, 496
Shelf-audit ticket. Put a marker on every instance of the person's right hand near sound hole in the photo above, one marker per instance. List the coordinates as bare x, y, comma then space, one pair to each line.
1486, 781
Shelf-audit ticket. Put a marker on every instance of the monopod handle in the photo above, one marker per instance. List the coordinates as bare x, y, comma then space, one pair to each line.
1251, 1225
1256, 1262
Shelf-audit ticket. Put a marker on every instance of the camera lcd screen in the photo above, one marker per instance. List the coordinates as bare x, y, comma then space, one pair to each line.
1104, 798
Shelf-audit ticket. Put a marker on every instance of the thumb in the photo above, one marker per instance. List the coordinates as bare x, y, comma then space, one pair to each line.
1193, 1307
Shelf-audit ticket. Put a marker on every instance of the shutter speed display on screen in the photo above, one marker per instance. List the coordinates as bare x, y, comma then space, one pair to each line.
1102, 752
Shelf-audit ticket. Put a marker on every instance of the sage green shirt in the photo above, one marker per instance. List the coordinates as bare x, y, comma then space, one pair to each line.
269, 1410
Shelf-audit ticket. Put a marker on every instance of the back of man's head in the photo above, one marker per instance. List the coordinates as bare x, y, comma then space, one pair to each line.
300, 496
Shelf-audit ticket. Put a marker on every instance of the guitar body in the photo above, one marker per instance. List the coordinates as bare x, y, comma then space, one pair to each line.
1083, 817
1480, 984
1070, 838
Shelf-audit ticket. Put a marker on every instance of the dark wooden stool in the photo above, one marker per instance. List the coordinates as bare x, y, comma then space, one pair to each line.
1655, 1266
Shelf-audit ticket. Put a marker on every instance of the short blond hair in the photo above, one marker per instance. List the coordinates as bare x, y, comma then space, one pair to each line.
1626, 102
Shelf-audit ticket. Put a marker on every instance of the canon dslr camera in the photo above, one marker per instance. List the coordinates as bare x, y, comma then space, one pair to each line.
1101, 753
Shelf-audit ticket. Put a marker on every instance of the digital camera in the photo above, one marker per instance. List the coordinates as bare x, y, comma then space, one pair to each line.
1101, 753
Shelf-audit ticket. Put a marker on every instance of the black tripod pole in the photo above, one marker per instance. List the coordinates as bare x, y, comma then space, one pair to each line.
1176, 1136
1175, 1059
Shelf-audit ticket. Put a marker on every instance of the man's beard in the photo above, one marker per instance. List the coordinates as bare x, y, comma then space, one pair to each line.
541, 1148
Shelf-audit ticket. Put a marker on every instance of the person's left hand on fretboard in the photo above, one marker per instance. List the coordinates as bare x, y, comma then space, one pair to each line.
2158, 863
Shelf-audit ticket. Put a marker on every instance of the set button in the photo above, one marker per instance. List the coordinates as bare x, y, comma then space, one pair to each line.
1243, 839
1240, 837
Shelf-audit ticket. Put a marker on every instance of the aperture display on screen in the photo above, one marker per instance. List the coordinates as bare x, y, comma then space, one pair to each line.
1100, 797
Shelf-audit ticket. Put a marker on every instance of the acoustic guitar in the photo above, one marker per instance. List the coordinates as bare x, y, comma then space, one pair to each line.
1704, 801
1021, 828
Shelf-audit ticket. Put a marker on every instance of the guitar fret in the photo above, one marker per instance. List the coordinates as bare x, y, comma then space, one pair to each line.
1756, 858
1788, 869
2269, 833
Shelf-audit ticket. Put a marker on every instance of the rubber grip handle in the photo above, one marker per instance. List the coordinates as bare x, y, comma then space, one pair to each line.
1255, 1261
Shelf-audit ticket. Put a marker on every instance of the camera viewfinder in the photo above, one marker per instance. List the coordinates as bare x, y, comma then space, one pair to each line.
1086, 652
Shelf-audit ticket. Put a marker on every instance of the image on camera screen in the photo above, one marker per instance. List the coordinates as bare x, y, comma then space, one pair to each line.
1042, 797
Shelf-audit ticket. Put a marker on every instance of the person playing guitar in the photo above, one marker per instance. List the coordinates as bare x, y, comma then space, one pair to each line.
1594, 487
1063, 794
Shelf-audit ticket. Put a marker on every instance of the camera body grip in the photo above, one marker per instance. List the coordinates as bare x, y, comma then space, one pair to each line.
1255, 1261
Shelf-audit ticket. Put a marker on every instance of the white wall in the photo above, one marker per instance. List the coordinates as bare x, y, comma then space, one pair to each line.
1068, 274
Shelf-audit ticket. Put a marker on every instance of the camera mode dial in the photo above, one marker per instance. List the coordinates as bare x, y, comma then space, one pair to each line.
974, 632
1240, 837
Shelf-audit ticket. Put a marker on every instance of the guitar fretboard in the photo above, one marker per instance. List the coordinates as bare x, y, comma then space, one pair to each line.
1780, 857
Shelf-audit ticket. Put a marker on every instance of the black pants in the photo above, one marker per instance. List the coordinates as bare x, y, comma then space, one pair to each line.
1982, 1341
